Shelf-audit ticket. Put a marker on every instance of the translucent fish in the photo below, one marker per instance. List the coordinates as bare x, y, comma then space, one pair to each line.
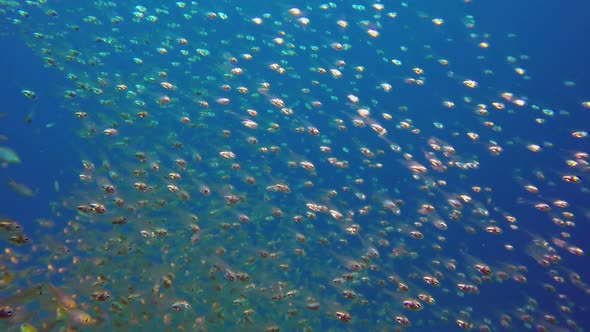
7, 155
21, 188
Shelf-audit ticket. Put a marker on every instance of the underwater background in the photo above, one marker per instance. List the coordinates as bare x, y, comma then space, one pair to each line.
550, 41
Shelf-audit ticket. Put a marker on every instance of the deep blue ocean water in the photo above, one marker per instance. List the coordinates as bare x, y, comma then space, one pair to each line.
554, 34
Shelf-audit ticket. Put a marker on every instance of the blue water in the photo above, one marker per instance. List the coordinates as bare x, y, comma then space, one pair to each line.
553, 34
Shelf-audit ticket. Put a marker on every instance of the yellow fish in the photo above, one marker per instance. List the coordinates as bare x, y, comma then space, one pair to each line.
26, 327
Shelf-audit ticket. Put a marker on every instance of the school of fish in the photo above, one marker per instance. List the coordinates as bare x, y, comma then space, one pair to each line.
303, 167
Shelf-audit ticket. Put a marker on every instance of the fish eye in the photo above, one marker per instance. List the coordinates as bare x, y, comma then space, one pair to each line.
6, 312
